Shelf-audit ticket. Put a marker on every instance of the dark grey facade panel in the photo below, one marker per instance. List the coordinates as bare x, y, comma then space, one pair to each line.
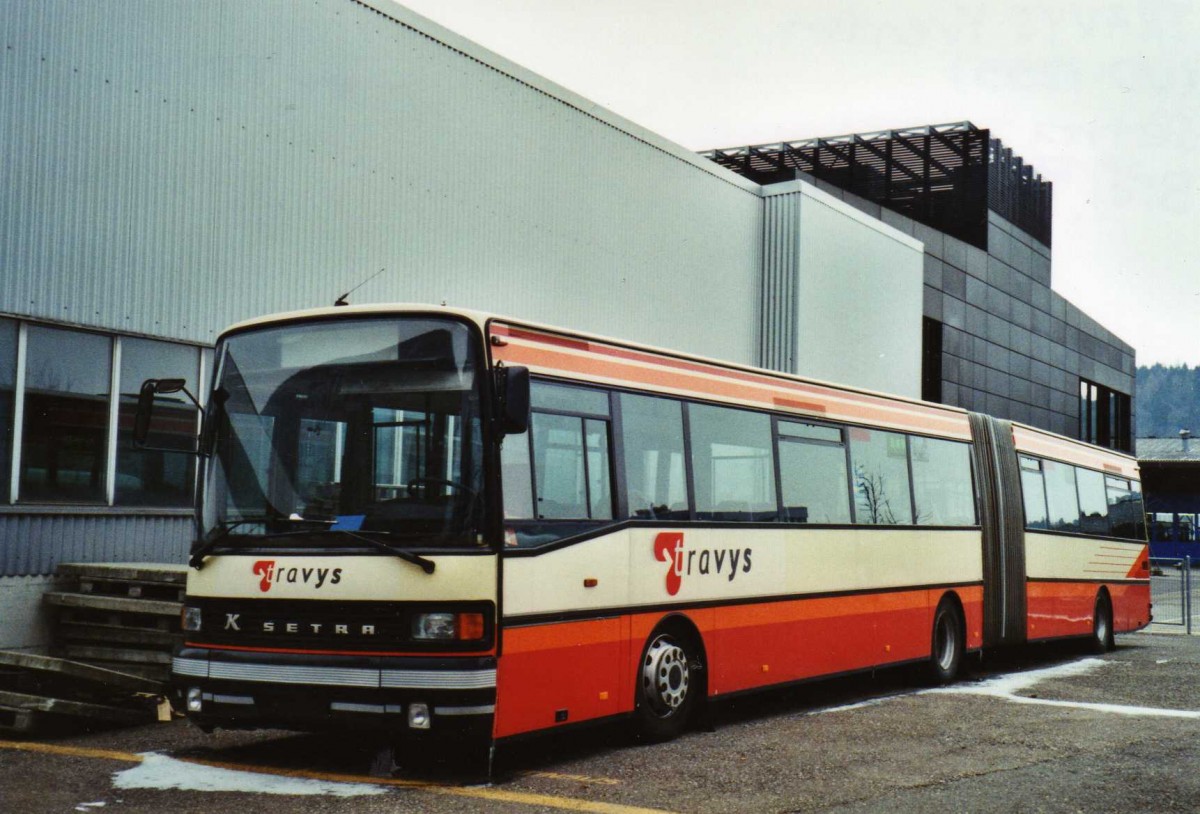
35, 544
954, 281
933, 271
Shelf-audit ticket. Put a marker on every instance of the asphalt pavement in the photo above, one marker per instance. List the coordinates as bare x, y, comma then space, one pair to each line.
1040, 729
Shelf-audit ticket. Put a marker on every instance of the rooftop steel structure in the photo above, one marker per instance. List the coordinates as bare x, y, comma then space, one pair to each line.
946, 175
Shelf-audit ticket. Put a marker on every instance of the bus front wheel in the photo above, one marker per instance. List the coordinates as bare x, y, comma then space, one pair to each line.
668, 685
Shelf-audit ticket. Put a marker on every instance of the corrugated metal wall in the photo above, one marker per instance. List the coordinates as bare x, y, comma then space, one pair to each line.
37, 543
780, 270
169, 168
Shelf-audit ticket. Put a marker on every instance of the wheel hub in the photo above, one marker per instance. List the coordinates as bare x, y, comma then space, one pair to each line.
665, 676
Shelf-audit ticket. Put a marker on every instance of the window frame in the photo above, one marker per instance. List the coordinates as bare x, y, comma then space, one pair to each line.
843, 443
13, 501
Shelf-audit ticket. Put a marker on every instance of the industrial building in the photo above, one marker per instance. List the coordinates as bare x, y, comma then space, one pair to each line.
997, 338
173, 168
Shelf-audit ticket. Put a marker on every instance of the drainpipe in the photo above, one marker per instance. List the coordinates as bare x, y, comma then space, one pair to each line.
1184, 436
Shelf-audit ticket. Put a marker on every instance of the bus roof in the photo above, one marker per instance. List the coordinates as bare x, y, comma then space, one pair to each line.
549, 349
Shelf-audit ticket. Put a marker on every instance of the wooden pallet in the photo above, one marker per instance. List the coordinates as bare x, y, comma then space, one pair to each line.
117, 625
124, 616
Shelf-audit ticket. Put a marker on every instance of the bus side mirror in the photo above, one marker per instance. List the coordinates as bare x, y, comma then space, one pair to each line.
145, 406
514, 400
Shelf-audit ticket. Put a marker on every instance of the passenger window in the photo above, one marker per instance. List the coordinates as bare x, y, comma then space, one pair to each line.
879, 462
557, 477
560, 474
516, 474
1125, 510
1033, 492
1093, 502
1062, 501
733, 468
942, 488
812, 473
652, 440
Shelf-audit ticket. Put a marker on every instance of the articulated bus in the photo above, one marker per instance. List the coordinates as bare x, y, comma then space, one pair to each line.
431, 522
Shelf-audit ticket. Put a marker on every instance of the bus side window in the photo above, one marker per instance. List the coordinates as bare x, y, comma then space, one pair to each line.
1062, 500
652, 442
557, 477
1093, 502
733, 467
942, 486
1125, 510
879, 462
1033, 493
812, 473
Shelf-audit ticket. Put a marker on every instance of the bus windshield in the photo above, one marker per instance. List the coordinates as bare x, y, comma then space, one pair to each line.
346, 431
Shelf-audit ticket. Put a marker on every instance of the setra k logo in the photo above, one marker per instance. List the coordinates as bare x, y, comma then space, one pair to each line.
668, 548
266, 570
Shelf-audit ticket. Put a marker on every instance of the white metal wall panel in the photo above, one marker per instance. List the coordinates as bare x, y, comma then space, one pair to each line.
846, 291
170, 168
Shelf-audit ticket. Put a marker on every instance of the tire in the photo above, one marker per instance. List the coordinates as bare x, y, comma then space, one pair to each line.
946, 650
1102, 626
669, 683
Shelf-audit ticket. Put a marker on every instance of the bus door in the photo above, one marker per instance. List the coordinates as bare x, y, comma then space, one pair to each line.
1001, 516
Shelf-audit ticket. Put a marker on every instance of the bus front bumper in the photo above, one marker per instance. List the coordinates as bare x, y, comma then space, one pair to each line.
417, 697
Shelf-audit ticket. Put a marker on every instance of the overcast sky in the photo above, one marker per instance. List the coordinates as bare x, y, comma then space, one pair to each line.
1102, 98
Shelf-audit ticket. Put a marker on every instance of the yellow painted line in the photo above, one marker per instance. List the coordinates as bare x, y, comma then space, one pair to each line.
71, 751
575, 778
482, 793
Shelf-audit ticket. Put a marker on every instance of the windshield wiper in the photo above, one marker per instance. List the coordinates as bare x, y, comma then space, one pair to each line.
424, 563
196, 560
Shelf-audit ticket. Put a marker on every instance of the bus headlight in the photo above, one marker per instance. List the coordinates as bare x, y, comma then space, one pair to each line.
191, 619
447, 626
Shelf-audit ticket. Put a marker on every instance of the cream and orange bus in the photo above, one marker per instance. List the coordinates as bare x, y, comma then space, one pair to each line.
432, 522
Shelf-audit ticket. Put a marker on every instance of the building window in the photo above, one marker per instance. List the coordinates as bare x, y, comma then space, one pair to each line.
1104, 416
64, 441
154, 477
8, 386
931, 360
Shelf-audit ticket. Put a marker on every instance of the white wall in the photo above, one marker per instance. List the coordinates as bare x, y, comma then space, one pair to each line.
26, 619
857, 291
171, 168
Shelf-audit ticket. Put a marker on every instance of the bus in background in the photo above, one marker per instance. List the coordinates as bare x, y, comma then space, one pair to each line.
437, 523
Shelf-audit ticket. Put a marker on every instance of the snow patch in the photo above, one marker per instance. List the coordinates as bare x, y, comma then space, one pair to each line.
161, 772
1007, 687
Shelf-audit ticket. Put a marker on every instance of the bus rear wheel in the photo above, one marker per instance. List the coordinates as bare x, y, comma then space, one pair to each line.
947, 647
668, 686
1102, 626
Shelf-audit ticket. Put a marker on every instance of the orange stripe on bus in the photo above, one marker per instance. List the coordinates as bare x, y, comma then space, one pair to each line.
617, 371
